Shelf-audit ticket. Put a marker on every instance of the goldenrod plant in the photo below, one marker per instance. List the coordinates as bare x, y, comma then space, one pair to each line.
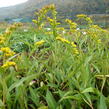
53, 67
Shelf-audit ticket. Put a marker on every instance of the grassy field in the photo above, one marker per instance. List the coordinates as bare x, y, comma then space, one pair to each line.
55, 67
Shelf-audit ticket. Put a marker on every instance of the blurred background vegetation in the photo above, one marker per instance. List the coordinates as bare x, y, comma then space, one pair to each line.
97, 9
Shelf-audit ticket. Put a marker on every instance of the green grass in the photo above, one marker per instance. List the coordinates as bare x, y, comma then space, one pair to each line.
51, 75
61, 80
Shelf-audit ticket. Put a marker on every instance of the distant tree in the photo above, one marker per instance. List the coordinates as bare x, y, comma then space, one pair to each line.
7, 19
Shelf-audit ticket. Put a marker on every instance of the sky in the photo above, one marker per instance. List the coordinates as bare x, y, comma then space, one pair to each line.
6, 3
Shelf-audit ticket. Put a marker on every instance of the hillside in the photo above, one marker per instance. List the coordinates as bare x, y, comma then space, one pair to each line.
66, 8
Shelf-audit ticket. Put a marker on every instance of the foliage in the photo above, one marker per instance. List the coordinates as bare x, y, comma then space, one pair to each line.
54, 68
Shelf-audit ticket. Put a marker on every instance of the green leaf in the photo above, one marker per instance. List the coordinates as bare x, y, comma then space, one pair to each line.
90, 89
88, 59
34, 96
1, 103
20, 82
43, 107
50, 100
102, 103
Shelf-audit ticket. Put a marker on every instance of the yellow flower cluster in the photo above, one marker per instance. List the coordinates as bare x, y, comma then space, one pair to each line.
62, 40
34, 21
81, 16
92, 34
18, 24
72, 24
8, 32
45, 9
51, 6
8, 64
49, 33
7, 51
61, 29
68, 21
42, 12
11, 28
75, 50
85, 17
95, 33
40, 43
2, 39
73, 44
52, 21
95, 27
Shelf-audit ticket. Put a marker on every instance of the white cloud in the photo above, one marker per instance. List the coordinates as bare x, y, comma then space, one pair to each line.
6, 3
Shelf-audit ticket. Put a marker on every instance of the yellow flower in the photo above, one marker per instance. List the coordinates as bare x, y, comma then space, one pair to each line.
68, 21
85, 17
89, 20
2, 39
81, 16
73, 44
18, 24
99, 41
11, 53
62, 39
8, 64
49, 7
50, 20
72, 24
8, 32
61, 29
52, 6
40, 42
95, 27
49, 33
13, 27
75, 51
7, 51
34, 21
